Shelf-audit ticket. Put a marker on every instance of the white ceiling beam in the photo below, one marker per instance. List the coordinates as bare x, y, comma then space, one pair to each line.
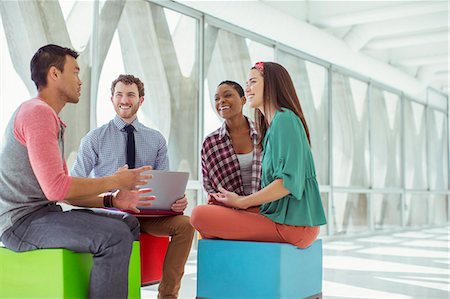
394, 54
307, 38
440, 77
380, 14
431, 73
360, 35
412, 40
419, 61
441, 68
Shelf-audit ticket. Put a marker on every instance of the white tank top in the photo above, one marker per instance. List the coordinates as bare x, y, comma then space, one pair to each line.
245, 163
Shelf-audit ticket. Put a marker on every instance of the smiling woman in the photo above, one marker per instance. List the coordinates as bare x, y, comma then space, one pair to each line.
233, 145
288, 208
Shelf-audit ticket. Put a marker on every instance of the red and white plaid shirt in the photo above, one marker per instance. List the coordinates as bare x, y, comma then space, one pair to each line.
220, 164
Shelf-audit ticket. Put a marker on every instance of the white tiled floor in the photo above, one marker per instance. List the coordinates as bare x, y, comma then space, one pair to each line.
405, 265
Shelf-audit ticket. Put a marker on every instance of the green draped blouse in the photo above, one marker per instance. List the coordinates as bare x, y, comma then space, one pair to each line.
287, 155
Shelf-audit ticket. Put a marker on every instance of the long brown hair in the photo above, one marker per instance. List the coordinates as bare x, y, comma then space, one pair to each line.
279, 92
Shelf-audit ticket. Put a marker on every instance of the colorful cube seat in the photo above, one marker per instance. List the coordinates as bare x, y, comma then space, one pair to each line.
241, 269
153, 252
55, 273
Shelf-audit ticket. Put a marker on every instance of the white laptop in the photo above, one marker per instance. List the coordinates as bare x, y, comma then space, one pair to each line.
168, 187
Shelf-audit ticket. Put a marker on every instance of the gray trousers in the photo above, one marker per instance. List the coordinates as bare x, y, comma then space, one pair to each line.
107, 234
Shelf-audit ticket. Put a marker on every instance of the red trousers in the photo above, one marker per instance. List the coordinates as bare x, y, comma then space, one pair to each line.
218, 222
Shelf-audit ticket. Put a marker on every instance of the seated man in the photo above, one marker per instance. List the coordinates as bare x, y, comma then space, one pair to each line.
125, 140
33, 177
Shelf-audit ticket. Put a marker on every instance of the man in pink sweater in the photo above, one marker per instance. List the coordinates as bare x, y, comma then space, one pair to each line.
33, 177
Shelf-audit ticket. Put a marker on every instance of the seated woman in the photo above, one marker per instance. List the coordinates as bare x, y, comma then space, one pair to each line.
291, 207
229, 156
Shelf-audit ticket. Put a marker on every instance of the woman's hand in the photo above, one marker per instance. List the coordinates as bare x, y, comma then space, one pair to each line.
229, 199
131, 199
213, 201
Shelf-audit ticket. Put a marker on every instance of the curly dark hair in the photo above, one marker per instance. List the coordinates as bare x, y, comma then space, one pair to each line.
128, 80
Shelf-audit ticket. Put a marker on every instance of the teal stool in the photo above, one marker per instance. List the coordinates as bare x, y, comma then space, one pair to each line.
55, 273
239, 269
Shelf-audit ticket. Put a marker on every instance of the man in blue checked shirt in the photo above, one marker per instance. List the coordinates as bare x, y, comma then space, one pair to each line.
124, 140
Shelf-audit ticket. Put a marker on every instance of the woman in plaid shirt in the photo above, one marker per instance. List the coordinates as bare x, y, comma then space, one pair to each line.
229, 156
289, 204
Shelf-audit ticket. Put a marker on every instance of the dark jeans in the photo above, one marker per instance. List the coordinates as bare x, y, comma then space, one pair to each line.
107, 234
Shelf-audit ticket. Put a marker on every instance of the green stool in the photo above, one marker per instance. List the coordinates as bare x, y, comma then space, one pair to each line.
55, 273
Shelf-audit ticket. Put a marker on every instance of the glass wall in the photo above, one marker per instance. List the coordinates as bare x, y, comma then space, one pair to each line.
228, 56
437, 149
386, 124
386, 158
382, 159
387, 210
311, 82
160, 46
350, 131
415, 146
350, 213
438, 157
26, 26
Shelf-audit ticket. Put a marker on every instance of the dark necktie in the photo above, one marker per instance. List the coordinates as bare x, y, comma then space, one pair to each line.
131, 151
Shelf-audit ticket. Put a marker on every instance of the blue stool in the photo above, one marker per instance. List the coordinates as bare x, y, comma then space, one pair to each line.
240, 269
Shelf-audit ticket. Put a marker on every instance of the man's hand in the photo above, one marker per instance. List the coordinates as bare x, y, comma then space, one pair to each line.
180, 205
130, 179
131, 199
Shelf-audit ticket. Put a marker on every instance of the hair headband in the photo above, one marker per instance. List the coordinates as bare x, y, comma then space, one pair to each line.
260, 67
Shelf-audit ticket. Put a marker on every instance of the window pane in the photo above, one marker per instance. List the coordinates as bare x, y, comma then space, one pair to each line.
228, 56
350, 132
387, 209
437, 149
56, 22
439, 209
159, 46
311, 84
415, 146
416, 209
350, 213
386, 138
13, 90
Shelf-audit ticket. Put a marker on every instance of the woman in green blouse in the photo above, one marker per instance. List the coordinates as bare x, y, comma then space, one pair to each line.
290, 205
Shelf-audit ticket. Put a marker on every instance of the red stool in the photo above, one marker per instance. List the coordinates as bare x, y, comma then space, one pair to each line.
153, 250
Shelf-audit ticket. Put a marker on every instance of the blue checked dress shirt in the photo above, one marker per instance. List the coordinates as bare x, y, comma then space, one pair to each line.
104, 150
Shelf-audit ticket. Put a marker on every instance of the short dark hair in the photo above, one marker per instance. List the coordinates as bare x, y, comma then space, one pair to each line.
235, 85
128, 80
46, 57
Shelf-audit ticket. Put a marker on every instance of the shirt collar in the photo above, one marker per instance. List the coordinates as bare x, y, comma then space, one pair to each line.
120, 124
63, 124
224, 132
